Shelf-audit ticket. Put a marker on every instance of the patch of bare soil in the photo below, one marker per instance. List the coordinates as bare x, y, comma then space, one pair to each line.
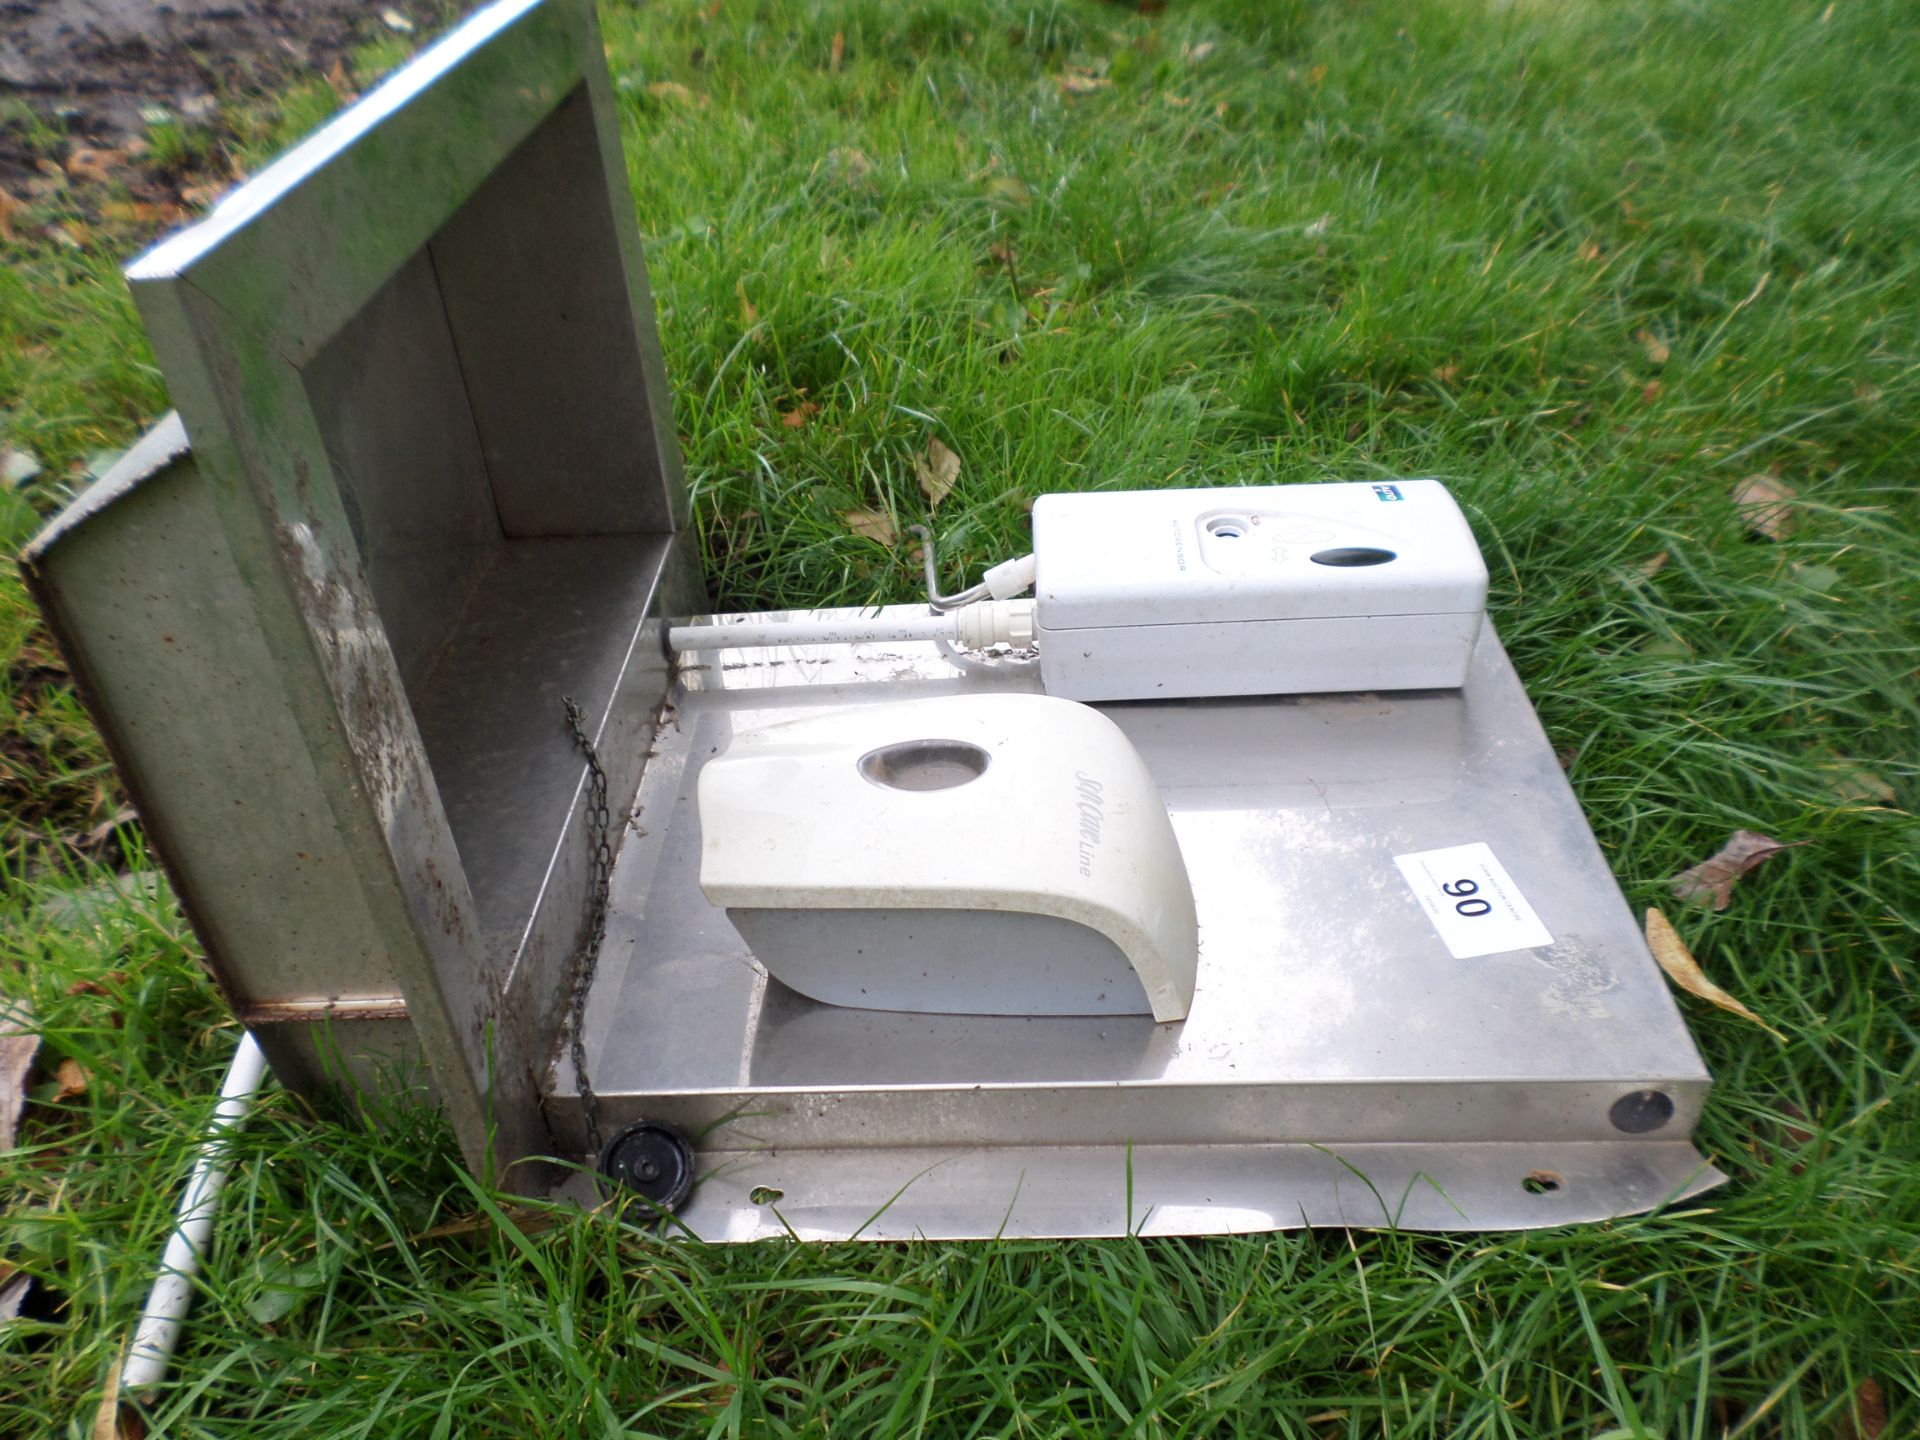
94, 73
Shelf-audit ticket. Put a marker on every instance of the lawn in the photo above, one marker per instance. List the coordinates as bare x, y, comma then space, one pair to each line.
1596, 265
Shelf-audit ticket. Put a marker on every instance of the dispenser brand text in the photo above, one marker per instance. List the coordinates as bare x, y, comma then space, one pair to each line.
1093, 814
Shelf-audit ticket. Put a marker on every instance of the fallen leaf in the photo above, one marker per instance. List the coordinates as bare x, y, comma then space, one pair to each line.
341, 83
7, 206
1683, 970
141, 212
748, 314
17, 467
1714, 877
1795, 1135
13, 1293
1869, 1400
1821, 578
1658, 351
1197, 53
97, 835
19, 1042
676, 92
839, 51
1765, 504
848, 164
872, 525
396, 22
1446, 374
936, 470
108, 1422
201, 197
85, 162
1081, 82
1179, 102
70, 233
1588, 252
1856, 782
797, 417
1010, 189
1650, 392
70, 1078
1001, 253
1653, 564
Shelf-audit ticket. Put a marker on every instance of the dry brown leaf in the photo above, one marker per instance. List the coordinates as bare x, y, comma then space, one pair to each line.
106, 1420
1653, 564
7, 206
1856, 782
1714, 877
1765, 504
936, 470
71, 1077
527, 1219
141, 212
341, 83
1683, 970
86, 162
1010, 189
1179, 102
70, 233
839, 52
201, 197
797, 417
848, 164
674, 91
1446, 374
749, 316
19, 1042
1658, 351
1081, 82
1869, 1403
1650, 392
1588, 253
1001, 253
14, 1285
872, 525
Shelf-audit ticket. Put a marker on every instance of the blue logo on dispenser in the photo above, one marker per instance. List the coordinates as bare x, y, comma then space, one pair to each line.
1387, 492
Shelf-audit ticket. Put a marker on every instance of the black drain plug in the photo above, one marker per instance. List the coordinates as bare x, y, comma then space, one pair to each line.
653, 1160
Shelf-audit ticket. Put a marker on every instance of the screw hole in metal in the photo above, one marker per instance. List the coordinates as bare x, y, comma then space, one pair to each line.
1543, 1182
924, 764
1641, 1112
1227, 527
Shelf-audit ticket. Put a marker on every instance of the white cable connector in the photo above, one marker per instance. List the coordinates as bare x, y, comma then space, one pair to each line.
1009, 578
990, 622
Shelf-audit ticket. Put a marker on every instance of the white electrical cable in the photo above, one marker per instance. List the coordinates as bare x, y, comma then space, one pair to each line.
159, 1327
992, 622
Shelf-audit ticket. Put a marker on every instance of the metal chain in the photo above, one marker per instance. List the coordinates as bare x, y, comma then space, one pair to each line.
600, 839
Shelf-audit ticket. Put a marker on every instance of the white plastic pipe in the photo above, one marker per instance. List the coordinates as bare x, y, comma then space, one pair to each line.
975, 626
159, 1327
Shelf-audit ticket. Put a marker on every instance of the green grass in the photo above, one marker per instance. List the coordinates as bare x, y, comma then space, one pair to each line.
1346, 240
